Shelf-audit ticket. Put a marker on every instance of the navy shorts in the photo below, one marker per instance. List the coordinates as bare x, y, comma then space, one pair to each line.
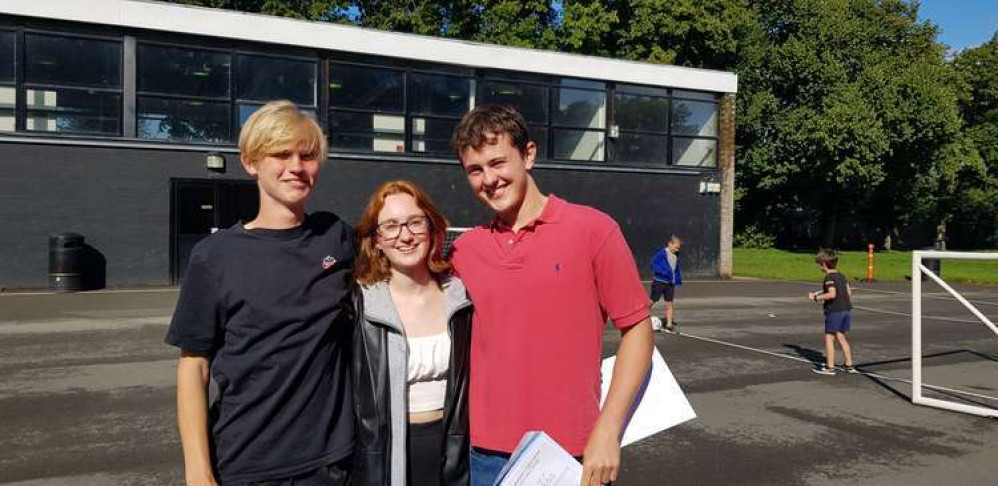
661, 290
838, 321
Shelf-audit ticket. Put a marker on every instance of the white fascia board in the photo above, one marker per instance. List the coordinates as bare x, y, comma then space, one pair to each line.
329, 36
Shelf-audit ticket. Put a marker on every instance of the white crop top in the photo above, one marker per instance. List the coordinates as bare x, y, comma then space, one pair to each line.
429, 359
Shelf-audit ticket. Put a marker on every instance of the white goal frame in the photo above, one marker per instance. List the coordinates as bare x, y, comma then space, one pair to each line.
917, 270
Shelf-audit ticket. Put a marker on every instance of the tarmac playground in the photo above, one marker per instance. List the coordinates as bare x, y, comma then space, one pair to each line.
86, 390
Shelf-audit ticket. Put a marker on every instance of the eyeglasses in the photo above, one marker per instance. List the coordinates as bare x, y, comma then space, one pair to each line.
390, 230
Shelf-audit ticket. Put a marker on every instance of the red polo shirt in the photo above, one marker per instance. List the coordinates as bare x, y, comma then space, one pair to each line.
542, 296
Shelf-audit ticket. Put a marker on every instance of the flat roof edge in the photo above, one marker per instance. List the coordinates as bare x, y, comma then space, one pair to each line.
243, 26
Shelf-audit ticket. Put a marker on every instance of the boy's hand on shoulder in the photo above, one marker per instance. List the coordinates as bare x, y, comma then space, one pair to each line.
601, 458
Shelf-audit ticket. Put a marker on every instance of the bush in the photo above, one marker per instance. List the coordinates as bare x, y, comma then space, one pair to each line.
753, 237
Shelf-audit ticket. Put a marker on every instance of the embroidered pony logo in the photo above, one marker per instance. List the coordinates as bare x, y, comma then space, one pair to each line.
328, 262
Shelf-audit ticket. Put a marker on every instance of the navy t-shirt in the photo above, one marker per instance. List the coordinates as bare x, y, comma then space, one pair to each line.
268, 309
841, 302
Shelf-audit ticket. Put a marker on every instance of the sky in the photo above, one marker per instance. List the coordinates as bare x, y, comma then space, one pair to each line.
962, 23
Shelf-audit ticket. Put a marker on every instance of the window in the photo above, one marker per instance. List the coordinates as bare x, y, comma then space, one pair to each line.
72, 85
657, 128
642, 115
8, 88
260, 79
437, 103
526, 94
183, 94
366, 108
579, 120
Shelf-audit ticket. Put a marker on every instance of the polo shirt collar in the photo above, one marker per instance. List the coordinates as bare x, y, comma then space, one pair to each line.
550, 214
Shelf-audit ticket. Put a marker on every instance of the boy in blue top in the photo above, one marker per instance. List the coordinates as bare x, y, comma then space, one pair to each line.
836, 295
666, 277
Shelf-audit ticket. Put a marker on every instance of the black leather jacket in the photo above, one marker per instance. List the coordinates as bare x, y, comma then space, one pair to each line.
370, 376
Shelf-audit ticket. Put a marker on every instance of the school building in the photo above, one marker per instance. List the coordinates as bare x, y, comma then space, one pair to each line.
119, 119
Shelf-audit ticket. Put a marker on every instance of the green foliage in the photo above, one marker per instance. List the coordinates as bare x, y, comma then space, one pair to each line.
753, 237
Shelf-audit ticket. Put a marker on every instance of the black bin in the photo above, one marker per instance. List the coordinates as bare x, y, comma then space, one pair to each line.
66, 262
934, 264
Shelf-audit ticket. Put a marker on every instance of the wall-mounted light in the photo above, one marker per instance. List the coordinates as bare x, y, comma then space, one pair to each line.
214, 161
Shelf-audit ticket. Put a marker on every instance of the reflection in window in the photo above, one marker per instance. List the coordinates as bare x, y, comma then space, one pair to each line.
531, 100
247, 109
182, 71
187, 120
266, 78
367, 132
80, 111
366, 88
430, 135
581, 145
694, 118
6, 57
694, 152
641, 148
637, 112
579, 108
439, 95
58, 60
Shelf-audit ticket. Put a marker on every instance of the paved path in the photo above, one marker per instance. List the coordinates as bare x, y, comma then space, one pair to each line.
86, 391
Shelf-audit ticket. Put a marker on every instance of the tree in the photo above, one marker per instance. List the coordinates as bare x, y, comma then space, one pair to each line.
844, 114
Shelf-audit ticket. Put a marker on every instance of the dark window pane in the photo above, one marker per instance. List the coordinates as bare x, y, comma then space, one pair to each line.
180, 71
640, 148
578, 108
167, 119
367, 132
578, 145
540, 137
694, 152
247, 109
73, 111
642, 90
440, 95
366, 88
531, 100
67, 60
694, 118
8, 96
432, 136
642, 113
7, 57
267, 78
697, 95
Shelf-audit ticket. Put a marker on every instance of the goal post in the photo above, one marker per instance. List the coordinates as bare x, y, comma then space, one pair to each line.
917, 271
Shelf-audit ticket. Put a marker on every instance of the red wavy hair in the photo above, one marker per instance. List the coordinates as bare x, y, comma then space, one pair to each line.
372, 265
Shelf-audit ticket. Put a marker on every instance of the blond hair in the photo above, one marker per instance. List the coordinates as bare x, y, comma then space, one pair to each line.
279, 126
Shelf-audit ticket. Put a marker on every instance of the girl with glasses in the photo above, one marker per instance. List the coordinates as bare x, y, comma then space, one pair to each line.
411, 346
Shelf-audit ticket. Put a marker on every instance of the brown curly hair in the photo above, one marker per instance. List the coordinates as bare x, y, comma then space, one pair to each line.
372, 265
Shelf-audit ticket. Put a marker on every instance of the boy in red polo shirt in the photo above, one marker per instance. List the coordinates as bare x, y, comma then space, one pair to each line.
544, 274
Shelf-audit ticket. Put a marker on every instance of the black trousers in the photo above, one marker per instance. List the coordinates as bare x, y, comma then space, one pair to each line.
425, 455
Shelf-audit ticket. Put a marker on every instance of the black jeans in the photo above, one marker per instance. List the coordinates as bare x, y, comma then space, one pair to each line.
424, 458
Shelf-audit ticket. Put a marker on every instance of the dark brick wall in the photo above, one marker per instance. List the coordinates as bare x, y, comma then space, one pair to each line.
119, 198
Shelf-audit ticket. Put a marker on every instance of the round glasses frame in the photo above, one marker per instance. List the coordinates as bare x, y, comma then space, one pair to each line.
389, 230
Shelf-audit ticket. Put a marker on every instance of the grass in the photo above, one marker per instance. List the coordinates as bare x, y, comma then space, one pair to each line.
888, 266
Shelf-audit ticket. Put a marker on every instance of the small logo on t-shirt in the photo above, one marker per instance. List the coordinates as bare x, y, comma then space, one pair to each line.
328, 262
557, 267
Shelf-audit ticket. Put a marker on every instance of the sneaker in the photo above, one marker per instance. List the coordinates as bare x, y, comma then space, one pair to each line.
671, 329
851, 369
823, 370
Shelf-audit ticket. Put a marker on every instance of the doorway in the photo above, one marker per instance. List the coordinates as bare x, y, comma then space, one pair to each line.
199, 207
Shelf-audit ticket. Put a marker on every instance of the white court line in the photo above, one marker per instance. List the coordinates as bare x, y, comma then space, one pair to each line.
866, 373
931, 318
934, 295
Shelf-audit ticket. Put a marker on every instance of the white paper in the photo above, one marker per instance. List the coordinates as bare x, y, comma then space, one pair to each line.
659, 405
539, 461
